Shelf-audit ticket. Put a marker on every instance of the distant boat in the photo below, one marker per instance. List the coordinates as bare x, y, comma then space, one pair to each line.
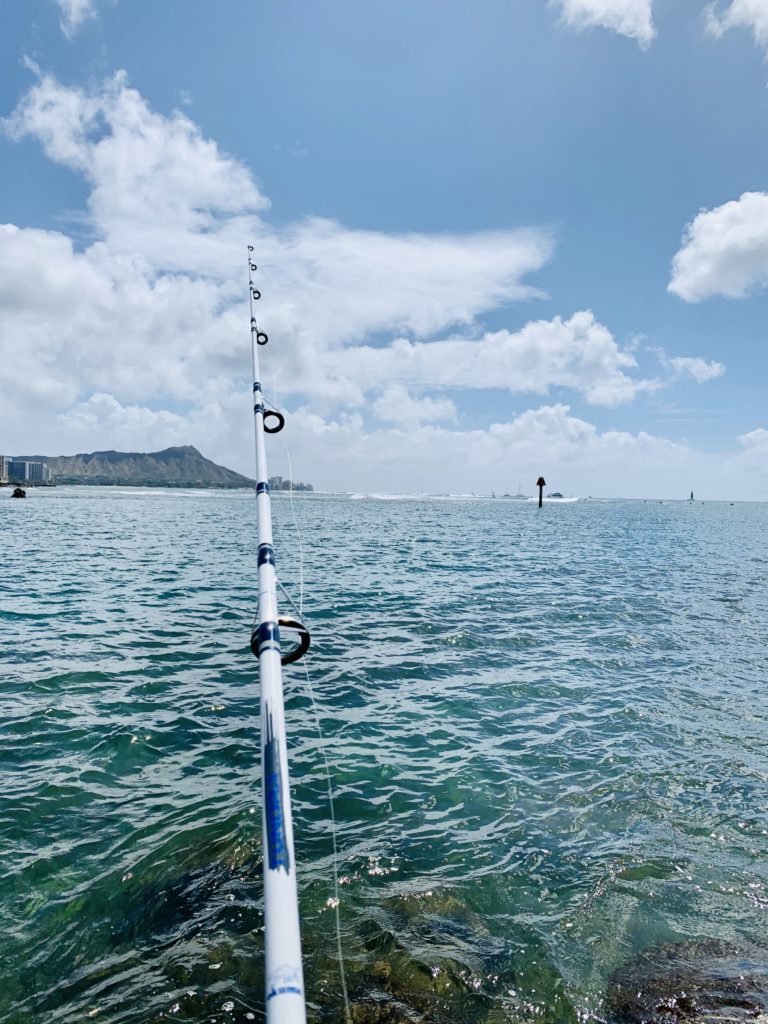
555, 498
519, 496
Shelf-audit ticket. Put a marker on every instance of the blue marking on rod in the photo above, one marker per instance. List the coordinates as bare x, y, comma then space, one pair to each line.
268, 636
256, 386
262, 488
258, 407
266, 551
286, 980
277, 848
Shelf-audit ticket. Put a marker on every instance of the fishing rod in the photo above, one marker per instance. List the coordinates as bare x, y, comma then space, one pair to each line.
284, 976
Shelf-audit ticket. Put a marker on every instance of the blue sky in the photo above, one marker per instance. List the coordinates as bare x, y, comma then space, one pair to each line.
500, 239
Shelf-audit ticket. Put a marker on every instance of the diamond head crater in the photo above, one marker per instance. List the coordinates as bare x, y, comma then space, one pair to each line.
181, 466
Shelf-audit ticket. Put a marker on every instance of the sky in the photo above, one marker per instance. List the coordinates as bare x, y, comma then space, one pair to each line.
495, 240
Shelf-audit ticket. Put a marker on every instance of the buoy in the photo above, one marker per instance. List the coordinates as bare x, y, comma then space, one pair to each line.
541, 483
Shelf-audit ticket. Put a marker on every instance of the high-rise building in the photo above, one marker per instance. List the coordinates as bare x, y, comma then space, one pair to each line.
22, 470
4, 460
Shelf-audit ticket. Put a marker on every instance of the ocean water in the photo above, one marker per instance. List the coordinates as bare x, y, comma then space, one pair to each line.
546, 731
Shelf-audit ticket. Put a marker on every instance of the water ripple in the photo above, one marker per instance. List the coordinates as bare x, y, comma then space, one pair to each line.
546, 733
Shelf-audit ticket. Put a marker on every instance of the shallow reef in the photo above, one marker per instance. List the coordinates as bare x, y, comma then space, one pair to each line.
702, 980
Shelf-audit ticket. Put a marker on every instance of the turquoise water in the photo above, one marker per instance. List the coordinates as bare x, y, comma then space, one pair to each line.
546, 730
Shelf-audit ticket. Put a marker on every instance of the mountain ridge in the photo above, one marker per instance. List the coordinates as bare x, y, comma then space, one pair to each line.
178, 466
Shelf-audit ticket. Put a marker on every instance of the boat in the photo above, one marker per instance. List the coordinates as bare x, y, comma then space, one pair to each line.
555, 498
19, 492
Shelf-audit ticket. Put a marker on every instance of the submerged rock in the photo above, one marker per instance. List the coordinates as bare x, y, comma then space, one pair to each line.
706, 980
429, 957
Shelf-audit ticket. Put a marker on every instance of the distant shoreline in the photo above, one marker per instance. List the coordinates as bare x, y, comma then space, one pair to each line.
157, 485
182, 486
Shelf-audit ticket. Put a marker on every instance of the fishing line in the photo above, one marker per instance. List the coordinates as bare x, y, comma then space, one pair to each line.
287, 316
276, 290
321, 737
296, 528
336, 901
318, 726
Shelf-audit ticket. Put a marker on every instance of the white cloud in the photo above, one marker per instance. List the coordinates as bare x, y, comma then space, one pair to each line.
752, 462
139, 338
160, 189
339, 453
74, 15
158, 186
632, 18
346, 284
755, 439
127, 426
701, 370
749, 14
77, 322
155, 306
104, 422
572, 453
396, 404
724, 251
577, 353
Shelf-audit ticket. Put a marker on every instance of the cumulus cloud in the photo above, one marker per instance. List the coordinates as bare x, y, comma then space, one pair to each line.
161, 190
752, 462
575, 456
698, 369
632, 18
155, 305
701, 370
577, 353
74, 14
75, 322
724, 251
755, 439
127, 425
398, 405
749, 14
341, 453
139, 428
158, 187
139, 338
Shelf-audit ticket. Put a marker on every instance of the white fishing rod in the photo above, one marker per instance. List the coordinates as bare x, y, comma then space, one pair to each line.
284, 977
